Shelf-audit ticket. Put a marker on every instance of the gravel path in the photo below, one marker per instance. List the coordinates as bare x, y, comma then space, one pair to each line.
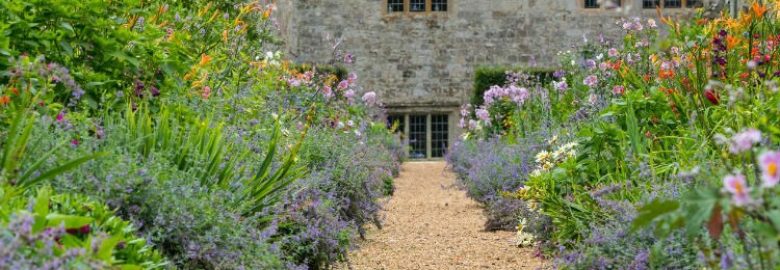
429, 224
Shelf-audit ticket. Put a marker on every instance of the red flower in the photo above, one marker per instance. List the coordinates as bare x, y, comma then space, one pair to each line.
712, 96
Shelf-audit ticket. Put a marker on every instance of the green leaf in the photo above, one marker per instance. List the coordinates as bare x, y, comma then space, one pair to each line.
653, 210
61, 169
71, 222
107, 248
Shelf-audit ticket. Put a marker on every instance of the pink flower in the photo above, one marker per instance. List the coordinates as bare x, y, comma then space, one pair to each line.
591, 81
327, 91
206, 92
618, 90
293, 82
736, 185
744, 140
613, 52
350, 94
74, 142
352, 78
604, 66
61, 117
369, 98
769, 163
651, 23
343, 85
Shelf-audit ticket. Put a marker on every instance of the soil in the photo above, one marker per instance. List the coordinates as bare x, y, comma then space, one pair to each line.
431, 224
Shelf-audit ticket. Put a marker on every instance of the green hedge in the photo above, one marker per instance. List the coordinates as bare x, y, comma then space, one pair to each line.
487, 76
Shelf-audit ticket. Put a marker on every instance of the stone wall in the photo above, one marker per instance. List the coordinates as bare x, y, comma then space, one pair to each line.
424, 62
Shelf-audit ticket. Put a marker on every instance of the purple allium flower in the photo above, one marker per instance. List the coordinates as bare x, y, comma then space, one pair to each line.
590, 64
744, 140
559, 74
473, 124
769, 163
483, 114
736, 185
591, 81
349, 94
369, 98
561, 86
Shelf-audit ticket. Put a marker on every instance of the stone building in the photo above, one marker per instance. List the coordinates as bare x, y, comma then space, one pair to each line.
419, 55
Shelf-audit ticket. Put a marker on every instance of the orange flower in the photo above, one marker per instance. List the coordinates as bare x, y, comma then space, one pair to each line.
758, 9
14, 90
744, 75
204, 59
732, 41
5, 100
666, 73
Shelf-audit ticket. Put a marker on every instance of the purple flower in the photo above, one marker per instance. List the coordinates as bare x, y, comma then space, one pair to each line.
155, 92
744, 140
369, 98
483, 114
591, 81
350, 94
769, 162
559, 74
590, 64
139, 88
561, 86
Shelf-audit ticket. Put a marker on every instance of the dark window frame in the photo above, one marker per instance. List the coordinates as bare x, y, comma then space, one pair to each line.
591, 4
395, 6
439, 5
417, 5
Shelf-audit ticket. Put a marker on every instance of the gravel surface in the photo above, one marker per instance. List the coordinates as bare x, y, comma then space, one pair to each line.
430, 224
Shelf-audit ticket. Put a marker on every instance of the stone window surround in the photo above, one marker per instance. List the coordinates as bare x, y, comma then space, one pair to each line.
428, 9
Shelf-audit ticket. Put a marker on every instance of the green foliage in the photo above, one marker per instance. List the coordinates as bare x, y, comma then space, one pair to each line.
78, 225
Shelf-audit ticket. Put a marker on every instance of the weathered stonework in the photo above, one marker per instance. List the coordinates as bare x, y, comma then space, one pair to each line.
424, 62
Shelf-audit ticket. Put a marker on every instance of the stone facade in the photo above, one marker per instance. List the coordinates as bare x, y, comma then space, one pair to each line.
423, 62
